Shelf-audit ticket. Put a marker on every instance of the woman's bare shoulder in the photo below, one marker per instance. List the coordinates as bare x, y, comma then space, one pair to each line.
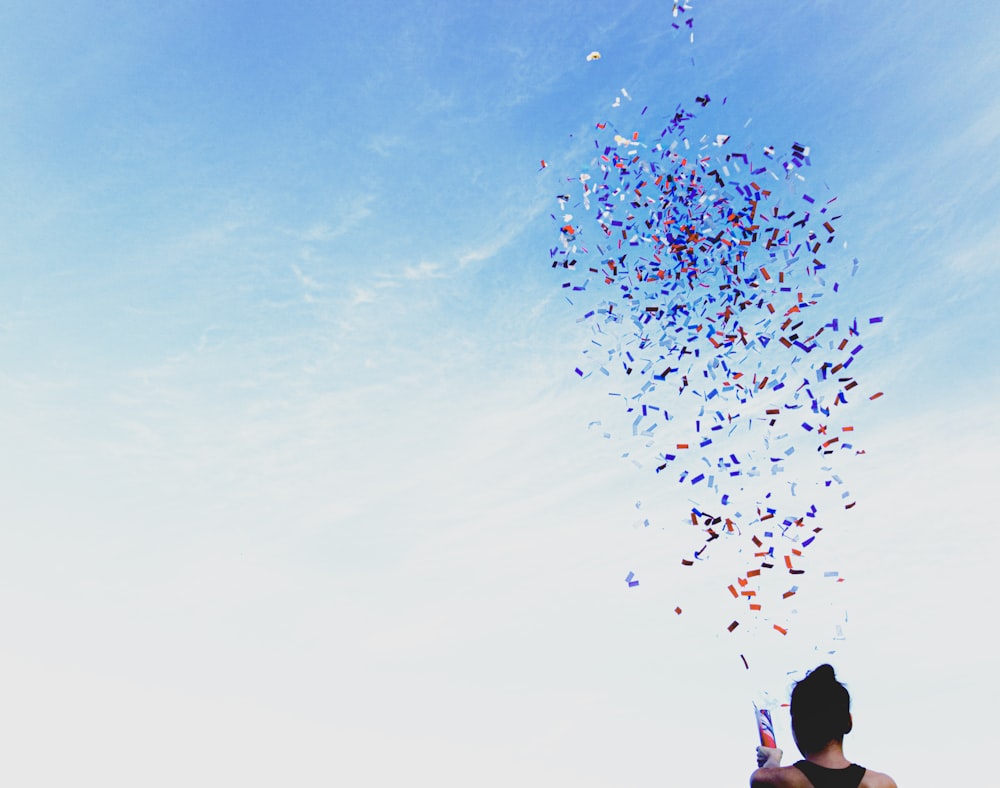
779, 777
875, 779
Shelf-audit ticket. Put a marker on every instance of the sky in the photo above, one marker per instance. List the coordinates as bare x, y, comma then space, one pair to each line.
299, 484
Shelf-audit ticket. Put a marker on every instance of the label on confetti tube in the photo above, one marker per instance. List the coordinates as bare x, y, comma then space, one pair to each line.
765, 727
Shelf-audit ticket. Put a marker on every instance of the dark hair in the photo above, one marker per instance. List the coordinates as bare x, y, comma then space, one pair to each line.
821, 710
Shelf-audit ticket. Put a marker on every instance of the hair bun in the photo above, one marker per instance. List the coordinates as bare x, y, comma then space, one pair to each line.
823, 673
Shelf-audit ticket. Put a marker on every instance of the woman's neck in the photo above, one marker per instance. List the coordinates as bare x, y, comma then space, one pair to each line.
831, 756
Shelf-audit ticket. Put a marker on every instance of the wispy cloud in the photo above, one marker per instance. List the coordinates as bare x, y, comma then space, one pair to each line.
976, 257
361, 295
506, 234
984, 131
384, 144
485, 250
350, 213
306, 281
423, 270
206, 341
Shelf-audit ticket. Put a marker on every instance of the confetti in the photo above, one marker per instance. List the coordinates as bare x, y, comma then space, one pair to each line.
679, 8
594, 56
705, 273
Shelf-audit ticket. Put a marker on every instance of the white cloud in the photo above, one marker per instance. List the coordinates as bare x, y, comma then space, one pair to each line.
505, 235
362, 296
983, 132
384, 280
351, 212
978, 257
384, 144
205, 342
423, 270
484, 251
307, 281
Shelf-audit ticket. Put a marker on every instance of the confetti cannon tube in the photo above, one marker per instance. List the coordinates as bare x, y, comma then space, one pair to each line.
765, 727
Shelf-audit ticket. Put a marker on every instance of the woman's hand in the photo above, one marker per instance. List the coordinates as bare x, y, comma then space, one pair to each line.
768, 757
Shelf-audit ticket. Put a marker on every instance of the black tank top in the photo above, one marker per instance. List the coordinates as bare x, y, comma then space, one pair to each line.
821, 777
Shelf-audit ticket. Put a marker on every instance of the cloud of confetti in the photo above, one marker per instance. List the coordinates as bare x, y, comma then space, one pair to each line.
708, 278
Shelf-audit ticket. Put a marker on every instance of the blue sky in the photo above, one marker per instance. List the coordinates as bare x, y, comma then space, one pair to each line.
299, 484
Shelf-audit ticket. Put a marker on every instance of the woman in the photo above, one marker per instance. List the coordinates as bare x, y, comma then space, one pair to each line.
821, 715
